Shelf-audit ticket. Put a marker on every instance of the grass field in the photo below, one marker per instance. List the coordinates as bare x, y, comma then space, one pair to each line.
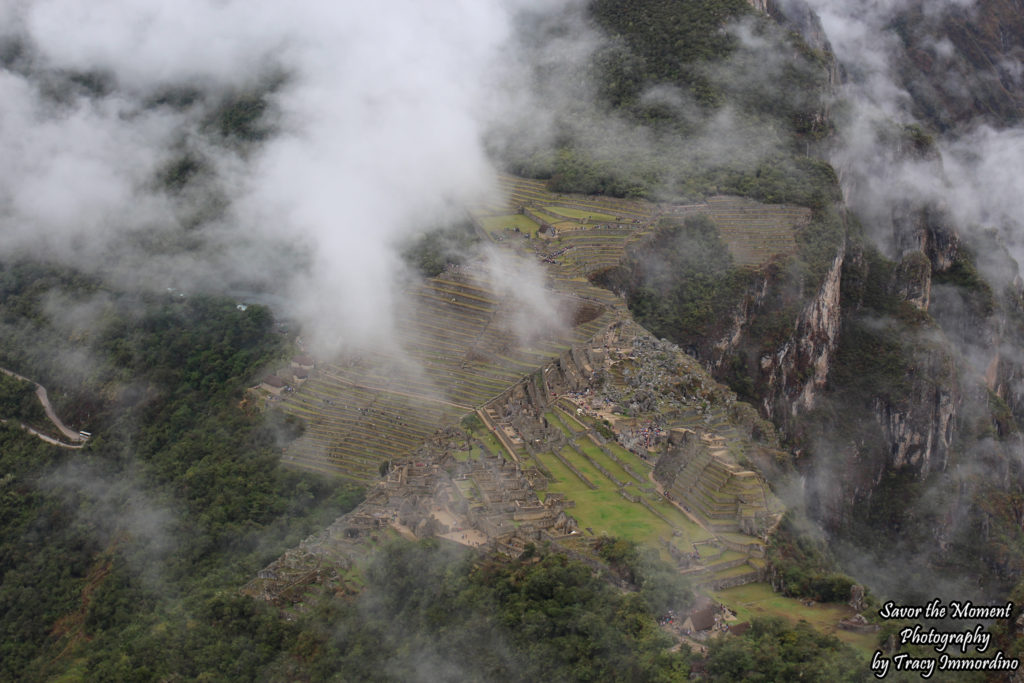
497, 224
606, 512
579, 213
758, 600
543, 214
638, 464
634, 461
555, 422
492, 443
568, 421
588, 447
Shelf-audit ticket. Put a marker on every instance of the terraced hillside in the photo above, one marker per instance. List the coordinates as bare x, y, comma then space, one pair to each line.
727, 497
459, 341
595, 421
755, 232
458, 348
585, 235
573, 421
521, 192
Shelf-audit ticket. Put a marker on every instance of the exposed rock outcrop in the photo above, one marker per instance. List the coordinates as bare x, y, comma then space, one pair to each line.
797, 16
799, 370
794, 372
919, 429
912, 281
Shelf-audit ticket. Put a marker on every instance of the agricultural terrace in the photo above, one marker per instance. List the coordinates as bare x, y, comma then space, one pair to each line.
615, 495
571, 427
756, 232
510, 223
596, 475
458, 348
584, 235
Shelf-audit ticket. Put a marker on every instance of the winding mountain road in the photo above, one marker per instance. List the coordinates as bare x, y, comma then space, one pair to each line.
76, 438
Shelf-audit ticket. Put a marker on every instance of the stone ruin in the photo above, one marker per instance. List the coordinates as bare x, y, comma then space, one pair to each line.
485, 502
699, 473
491, 502
858, 624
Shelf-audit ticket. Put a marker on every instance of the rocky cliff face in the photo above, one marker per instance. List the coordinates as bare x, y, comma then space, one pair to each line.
788, 374
914, 441
918, 417
912, 281
978, 314
920, 426
799, 370
792, 373
798, 17
1004, 372
961, 59
919, 429
897, 375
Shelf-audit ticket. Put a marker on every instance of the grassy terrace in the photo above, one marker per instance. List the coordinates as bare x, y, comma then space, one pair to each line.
492, 444
568, 426
458, 352
590, 450
756, 232
590, 216
637, 464
597, 235
521, 191
758, 599
575, 283
599, 505
724, 555
591, 249
499, 224
604, 510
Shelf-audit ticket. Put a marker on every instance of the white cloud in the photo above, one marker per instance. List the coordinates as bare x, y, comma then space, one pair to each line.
378, 130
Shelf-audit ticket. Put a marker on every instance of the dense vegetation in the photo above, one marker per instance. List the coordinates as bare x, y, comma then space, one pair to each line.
654, 41
123, 561
682, 283
18, 402
893, 360
668, 78
659, 584
433, 250
115, 557
434, 611
773, 651
770, 86
803, 566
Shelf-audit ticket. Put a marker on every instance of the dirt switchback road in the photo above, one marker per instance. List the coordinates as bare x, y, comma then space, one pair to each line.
76, 438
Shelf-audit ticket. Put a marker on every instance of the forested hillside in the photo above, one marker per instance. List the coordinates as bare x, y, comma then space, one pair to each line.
237, 252
118, 558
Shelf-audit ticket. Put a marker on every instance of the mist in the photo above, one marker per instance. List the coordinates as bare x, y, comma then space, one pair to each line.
975, 171
249, 147
285, 155
966, 174
593, 95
